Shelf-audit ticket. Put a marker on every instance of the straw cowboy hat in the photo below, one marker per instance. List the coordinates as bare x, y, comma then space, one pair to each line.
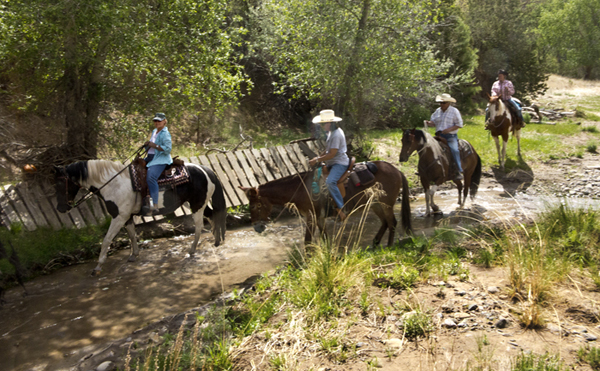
327, 115
444, 98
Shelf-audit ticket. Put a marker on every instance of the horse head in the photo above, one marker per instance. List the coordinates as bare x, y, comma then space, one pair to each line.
411, 140
260, 208
66, 189
496, 107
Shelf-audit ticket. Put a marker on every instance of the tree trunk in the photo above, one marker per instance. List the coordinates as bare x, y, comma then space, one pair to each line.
345, 105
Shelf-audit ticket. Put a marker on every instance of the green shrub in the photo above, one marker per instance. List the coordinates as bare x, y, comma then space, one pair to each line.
591, 356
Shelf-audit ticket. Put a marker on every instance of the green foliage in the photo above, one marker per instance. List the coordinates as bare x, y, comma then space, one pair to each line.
502, 32
570, 31
417, 324
355, 58
532, 362
589, 129
592, 148
591, 356
44, 249
81, 62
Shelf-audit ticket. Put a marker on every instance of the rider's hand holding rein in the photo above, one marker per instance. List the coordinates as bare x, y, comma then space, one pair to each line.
328, 156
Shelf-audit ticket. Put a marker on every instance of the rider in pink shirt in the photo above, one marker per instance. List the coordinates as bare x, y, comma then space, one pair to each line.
504, 89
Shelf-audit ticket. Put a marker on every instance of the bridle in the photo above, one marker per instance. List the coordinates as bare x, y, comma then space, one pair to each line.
64, 176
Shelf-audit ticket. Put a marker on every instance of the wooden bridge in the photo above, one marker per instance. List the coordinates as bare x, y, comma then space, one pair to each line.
35, 206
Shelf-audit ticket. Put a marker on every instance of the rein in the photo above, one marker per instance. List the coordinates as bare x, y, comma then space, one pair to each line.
90, 194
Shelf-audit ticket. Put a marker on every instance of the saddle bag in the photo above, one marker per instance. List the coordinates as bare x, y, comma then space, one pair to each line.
362, 174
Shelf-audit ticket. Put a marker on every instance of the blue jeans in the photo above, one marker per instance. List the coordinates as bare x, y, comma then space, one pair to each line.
517, 108
335, 173
452, 140
152, 177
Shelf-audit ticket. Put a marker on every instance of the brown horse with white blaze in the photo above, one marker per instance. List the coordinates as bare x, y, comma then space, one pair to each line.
435, 165
297, 189
501, 123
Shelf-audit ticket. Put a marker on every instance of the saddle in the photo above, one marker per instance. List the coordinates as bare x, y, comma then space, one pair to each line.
464, 149
173, 175
361, 175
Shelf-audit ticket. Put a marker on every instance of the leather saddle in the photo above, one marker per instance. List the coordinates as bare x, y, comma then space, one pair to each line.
173, 175
361, 174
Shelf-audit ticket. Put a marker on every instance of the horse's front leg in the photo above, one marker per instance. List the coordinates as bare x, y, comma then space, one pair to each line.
198, 217
135, 251
115, 226
497, 141
518, 135
310, 228
459, 186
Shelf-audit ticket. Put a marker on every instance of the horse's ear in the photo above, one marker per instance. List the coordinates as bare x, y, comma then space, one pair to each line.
249, 191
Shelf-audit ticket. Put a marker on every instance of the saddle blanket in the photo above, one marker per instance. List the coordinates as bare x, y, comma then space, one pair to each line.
465, 149
172, 176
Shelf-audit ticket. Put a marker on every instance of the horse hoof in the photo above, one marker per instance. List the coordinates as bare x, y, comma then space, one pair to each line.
96, 272
435, 208
131, 259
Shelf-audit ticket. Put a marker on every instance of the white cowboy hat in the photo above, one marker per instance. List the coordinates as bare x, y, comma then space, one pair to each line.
444, 98
327, 115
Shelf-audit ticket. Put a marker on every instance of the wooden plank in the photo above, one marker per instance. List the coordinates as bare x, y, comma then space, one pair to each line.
35, 211
247, 170
235, 182
235, 164
204, 161
9, 214
279, 161
270, 163
286, 159
301, 157
20, 208
50, 198
308, 152
87, 214
259, 170
297, 162
95, 204
216, 166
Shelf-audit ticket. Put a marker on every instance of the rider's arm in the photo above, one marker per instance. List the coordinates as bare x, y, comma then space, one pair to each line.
325, 157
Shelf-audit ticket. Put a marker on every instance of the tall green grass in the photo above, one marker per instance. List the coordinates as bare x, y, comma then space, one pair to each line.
44, 249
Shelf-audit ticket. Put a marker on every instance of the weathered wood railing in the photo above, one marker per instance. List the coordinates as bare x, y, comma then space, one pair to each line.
35, 206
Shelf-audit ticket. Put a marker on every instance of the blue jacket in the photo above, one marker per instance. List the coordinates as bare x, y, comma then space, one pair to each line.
163, 139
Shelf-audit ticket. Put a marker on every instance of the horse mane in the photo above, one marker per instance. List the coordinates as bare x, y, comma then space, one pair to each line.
101, 171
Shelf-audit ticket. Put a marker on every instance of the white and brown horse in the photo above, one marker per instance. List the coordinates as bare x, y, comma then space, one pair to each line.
108, 180
501, 123
436, 163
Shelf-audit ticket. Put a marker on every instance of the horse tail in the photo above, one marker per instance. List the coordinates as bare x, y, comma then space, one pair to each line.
219, 210
405, 207
219, 213
475, 178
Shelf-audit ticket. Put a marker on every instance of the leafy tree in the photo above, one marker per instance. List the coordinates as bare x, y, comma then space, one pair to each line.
78, 62
359, 57
452, 40
503, 33
571, 31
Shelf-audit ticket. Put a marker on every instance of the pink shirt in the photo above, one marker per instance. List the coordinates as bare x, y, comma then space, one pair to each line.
504, 89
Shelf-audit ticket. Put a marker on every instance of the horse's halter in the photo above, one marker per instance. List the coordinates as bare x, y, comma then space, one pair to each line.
66, 178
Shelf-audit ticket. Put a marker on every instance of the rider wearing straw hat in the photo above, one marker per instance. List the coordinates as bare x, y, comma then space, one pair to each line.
447, 120
335, 156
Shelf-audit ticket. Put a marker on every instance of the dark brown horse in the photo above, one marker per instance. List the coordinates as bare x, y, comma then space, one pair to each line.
297, 189
436, 162
501, 123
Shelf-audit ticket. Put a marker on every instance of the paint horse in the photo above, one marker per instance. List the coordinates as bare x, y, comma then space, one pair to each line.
297, 189
108, 180
500, 124
436, 164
